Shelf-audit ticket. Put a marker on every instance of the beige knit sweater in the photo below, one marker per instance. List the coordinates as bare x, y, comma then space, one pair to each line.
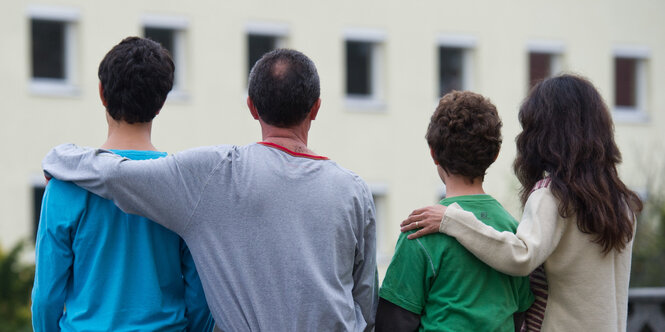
588, 291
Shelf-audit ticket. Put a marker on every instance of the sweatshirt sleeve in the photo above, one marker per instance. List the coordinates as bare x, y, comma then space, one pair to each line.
365, 275
62, 206
198, 315
165, 190
537, 235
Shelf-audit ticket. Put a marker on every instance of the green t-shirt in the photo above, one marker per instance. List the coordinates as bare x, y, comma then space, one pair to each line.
436, 277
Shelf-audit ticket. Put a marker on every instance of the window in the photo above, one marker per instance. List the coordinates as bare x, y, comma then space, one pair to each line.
170, 32
52, 50
630, 84
625, 87
540, 67
364, 74
544, 60
262, 38
454, 63
384, 248
451, 69
38, 189
359, 68
257, 46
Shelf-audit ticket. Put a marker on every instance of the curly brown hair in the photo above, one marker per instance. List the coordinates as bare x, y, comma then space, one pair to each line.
464, 134
568, 135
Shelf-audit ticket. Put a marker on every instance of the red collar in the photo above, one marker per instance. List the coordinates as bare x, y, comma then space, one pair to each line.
293, 153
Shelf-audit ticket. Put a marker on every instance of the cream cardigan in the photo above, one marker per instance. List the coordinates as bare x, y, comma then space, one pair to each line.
588, 291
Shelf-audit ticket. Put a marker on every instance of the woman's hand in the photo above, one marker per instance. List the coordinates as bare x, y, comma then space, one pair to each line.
427, 220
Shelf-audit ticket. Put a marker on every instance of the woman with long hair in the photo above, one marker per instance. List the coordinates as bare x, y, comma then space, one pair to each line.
579, 217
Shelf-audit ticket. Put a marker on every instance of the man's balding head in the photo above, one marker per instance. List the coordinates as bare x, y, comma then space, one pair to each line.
283, 86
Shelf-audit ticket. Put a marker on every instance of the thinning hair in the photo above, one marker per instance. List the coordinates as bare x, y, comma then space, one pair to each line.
284, 85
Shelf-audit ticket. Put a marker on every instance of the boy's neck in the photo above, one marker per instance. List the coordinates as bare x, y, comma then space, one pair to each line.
460, 186
126, 136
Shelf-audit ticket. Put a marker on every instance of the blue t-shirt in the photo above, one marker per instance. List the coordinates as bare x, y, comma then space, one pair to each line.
100, 269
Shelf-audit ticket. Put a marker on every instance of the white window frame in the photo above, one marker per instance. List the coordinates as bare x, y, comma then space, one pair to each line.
555, 49
179, 25
383, 249
272, 29
68, 86
468, 44
637, 114
37, 181
375, 100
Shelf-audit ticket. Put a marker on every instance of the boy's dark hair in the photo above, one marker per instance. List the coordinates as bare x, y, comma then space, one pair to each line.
284, 85
464, 134
136, 76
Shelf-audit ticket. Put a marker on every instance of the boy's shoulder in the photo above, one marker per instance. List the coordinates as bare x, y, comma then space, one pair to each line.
487, 209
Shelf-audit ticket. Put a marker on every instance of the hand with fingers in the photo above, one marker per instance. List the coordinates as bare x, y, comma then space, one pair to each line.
426, 220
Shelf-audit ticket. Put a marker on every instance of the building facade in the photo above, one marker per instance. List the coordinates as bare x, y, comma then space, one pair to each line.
383, 65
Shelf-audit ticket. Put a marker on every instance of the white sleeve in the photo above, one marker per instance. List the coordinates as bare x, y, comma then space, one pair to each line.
518, 254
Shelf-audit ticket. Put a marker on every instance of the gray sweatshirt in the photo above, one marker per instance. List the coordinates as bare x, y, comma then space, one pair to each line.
282, 241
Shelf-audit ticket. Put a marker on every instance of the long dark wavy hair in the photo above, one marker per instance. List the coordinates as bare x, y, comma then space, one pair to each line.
568, 135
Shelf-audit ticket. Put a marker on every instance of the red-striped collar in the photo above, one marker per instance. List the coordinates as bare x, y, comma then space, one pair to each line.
293, 153
542, 183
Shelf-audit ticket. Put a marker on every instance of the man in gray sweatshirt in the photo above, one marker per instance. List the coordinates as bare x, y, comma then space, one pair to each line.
283, 238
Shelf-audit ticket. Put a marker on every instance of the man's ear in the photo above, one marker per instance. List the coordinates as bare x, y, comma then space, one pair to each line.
431, 153
314, 111
101, 95
252, 108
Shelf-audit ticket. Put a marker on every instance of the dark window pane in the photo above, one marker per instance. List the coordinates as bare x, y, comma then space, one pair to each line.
166, 37
48, 49
37, 195
358, 68
540, 67
257, 46
451, 69
625, 71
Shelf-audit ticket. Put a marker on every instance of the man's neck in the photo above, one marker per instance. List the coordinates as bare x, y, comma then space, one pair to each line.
125, 136
293, 138
460, 186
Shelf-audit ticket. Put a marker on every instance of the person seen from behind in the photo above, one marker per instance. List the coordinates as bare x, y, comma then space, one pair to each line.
433, 283
578, 219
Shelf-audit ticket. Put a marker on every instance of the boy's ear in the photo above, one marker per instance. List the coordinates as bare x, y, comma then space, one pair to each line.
431, 152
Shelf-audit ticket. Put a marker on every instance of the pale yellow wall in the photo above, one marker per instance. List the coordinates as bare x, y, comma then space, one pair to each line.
385, 147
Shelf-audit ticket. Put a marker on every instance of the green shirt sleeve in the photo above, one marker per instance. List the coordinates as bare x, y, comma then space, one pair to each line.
408, 278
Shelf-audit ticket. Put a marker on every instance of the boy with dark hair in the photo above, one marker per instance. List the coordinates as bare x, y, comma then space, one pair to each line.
98, 268
433, 283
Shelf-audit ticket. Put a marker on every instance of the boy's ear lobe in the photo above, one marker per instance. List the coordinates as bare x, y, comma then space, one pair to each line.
431, 152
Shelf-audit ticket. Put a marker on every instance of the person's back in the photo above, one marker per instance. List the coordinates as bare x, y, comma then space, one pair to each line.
587, 287
434, 275
433, 283
296, 265
98, 268
126, 272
